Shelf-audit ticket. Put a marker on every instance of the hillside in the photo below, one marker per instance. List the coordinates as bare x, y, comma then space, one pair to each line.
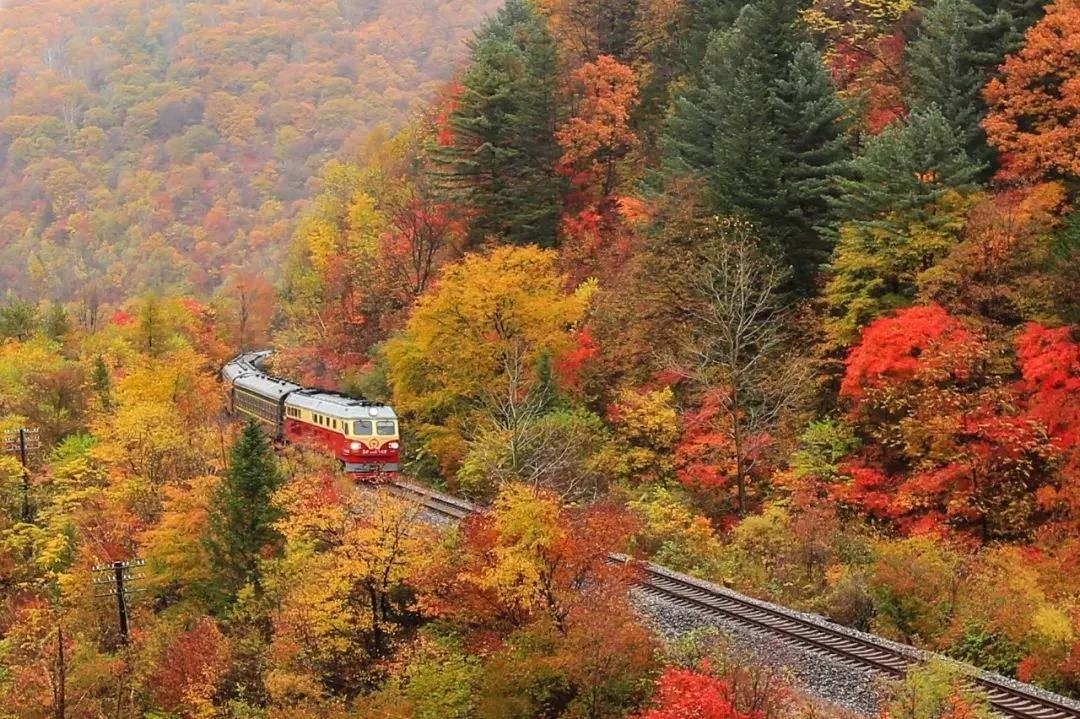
157, 145
780, 294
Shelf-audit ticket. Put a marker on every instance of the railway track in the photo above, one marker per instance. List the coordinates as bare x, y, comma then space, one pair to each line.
443, 504
1009, 698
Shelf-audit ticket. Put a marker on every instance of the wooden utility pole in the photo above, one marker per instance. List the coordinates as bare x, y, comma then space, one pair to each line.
115, 577
23, 442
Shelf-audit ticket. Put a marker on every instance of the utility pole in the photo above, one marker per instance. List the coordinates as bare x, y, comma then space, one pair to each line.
23, 442
115, 576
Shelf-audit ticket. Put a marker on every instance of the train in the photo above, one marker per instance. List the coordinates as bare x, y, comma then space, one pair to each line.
362, 435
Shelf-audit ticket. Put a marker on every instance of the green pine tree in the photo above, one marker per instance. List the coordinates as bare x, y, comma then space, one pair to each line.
18, 318
56, 324
674, 55
814, 153
949, 62
1010, 19
501, 161
546, 390
241, 516
905, 168
99, 377
701, 20
762, 128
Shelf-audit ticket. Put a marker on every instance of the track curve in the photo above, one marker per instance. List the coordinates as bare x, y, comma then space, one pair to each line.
1007, 697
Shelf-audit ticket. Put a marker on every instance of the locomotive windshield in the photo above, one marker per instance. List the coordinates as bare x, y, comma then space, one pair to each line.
382, 427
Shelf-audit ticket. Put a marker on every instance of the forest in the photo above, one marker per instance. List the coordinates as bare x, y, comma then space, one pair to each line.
171, 147
783, 294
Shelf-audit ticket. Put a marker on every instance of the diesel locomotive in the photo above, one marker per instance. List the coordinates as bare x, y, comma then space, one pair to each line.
361, 435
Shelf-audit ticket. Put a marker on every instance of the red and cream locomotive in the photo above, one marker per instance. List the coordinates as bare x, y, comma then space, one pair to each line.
362, 435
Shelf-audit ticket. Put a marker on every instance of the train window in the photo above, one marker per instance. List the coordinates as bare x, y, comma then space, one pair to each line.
385, 427
362, 427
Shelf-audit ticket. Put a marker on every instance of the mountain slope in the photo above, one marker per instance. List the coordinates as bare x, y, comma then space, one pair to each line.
147, 145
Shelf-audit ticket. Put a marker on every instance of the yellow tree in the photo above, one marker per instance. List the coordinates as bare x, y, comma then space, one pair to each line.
161, 430
471, 350
42, 386
343, 582
327, 296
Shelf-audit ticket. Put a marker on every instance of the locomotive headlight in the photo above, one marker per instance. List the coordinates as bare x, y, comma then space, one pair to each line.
393, 445
373, 411
355, 446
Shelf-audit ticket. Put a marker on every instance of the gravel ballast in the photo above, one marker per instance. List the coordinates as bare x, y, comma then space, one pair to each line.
823, 678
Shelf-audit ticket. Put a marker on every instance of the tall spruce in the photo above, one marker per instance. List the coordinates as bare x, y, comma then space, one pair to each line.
1010, 20
762, 127
906, 167
241, 515
814, 154
700, 20
500, 161
99, 378
950, 60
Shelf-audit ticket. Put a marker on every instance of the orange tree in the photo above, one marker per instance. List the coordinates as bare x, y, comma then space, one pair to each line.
1033, 106
530, 585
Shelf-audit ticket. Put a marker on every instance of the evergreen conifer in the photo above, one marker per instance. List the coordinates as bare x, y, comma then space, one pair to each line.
762, 127
1010, 20
241, 515
949, 64
100, 379
905, 168
500, 162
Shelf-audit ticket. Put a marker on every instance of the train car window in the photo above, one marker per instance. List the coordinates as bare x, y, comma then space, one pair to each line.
362, 427
385, 427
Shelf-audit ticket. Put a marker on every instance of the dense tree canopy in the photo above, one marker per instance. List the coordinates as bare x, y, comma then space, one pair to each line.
761, 126
171, 147
780, 294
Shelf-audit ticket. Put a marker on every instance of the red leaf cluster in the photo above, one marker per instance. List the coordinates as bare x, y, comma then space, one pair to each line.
894, 349
685, 694
949, 444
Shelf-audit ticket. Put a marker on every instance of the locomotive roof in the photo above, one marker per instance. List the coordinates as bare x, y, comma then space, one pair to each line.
269, 387
335, 404
244, 372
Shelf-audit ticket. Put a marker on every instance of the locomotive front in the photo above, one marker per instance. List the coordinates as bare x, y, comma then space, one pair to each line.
372, 442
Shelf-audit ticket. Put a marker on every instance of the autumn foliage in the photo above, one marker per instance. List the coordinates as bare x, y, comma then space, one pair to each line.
1034, 104
683, 693
784, 295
